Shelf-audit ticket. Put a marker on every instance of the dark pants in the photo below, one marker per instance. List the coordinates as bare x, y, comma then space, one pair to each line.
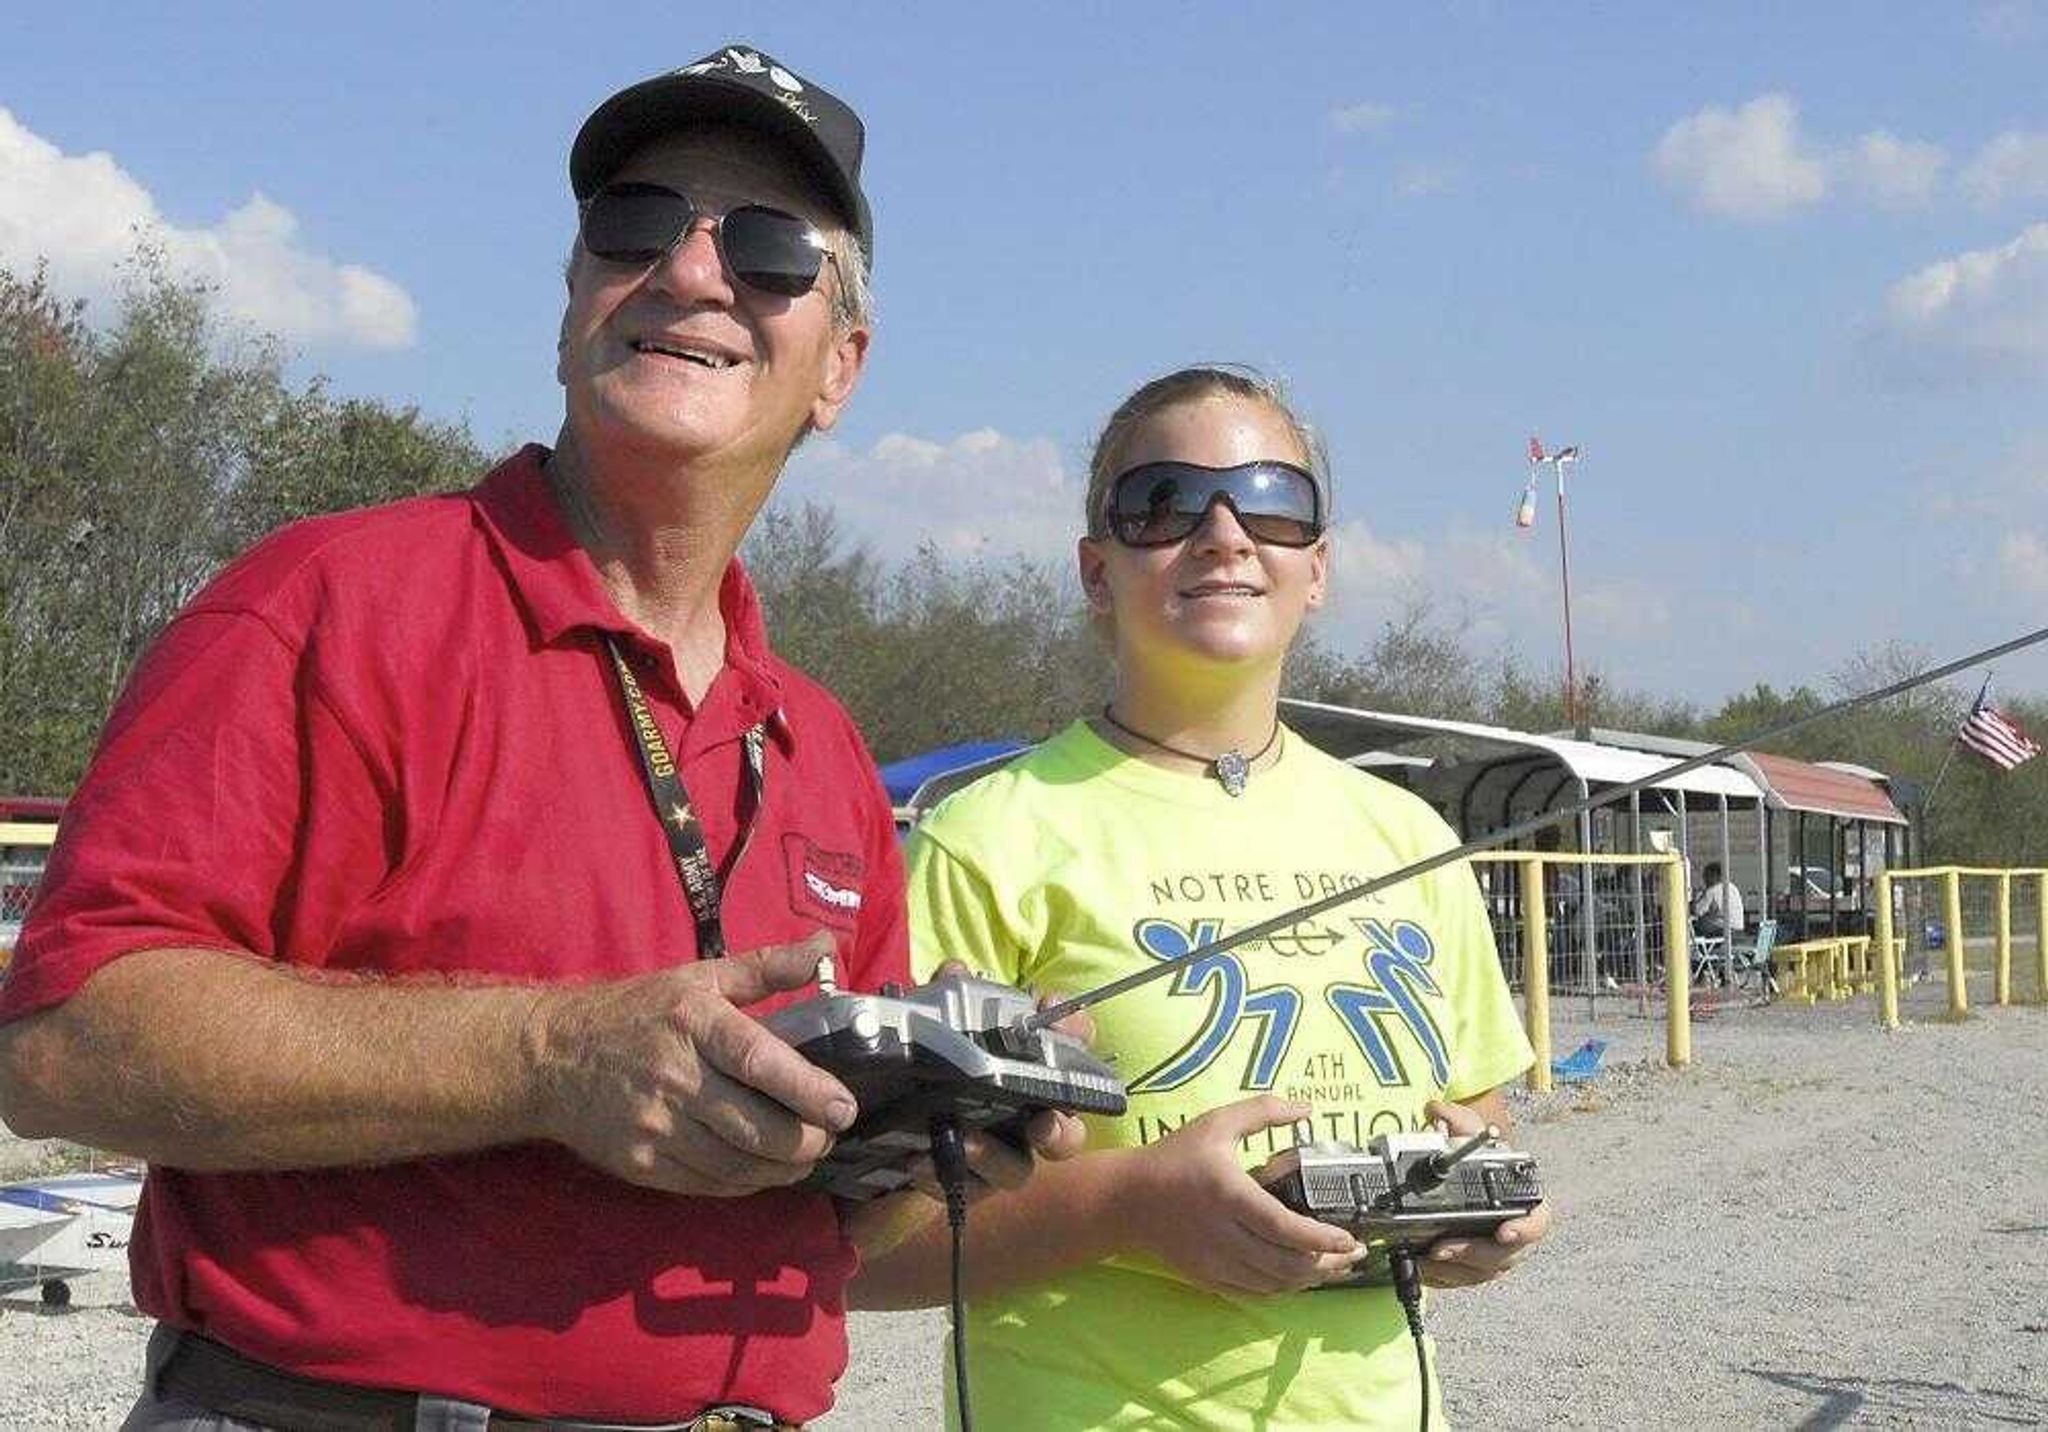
158, 1410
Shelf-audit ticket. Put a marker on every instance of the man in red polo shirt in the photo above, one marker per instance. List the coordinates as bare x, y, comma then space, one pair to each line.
366, 929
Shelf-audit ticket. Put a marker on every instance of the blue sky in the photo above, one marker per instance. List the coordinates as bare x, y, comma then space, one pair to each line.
1785, 276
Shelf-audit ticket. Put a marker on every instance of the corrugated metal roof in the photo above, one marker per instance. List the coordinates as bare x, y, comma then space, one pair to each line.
1346, 732
1801, 785
1835, 788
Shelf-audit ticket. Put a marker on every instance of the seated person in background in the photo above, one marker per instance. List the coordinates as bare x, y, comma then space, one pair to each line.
1717, 908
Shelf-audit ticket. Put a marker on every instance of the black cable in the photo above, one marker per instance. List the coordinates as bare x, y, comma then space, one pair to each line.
949, 1162
959, 1227
1408, 1288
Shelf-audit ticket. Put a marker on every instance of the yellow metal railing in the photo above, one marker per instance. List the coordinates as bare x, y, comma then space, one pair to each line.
1890, 951
1535, 947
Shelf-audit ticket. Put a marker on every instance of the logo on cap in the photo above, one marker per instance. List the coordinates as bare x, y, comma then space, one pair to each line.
748, 62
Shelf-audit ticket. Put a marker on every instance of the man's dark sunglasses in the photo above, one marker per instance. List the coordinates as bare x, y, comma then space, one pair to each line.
1157, 504
765, 248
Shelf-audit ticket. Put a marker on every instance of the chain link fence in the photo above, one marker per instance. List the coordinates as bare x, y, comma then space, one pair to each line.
1604, 918
21, 867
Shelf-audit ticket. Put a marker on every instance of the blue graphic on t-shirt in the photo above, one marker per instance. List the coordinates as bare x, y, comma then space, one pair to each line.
1397, 958
1376, 1012
1273, 1010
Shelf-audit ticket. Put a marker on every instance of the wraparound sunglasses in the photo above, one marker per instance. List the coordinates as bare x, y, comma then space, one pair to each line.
1159, 503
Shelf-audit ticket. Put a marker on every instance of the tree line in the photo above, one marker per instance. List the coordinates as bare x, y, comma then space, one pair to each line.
136, 458
138, 455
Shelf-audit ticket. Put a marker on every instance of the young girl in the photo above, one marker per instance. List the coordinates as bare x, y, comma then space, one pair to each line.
1153, 1281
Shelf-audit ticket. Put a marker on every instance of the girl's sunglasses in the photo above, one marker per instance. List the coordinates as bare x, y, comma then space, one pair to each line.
764, 248
1159, 503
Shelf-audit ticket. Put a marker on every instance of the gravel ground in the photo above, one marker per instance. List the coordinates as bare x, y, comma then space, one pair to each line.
1818, 1224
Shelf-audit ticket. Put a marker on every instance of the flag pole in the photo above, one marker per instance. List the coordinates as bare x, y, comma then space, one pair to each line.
1564, 566
1942, 775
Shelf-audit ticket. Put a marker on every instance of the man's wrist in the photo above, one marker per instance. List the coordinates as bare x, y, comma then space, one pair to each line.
534, 1021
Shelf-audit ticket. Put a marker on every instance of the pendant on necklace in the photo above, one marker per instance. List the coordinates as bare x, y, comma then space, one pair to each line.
1232, 770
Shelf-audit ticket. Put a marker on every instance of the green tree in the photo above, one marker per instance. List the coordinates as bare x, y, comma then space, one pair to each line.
135, 459
938, 650
1417, 665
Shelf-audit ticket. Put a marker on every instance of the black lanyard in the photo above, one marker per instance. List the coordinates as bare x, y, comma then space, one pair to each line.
702, 884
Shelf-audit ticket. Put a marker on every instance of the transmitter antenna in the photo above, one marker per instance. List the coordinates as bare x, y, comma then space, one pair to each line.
1053, 1013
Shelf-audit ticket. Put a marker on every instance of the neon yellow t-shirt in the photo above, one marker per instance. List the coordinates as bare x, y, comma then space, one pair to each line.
1076, 864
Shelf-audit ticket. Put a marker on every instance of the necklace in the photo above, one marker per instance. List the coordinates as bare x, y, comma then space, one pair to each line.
1232, 769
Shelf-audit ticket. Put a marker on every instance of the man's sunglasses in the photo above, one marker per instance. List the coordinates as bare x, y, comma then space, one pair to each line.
1157, 504
765, 248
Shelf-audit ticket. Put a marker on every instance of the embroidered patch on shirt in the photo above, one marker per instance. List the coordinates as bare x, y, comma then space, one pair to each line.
824, 884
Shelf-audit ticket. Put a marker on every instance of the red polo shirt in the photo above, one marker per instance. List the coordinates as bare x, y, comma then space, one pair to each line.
389, 740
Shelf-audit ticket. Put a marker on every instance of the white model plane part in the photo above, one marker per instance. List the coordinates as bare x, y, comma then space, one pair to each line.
54, 1229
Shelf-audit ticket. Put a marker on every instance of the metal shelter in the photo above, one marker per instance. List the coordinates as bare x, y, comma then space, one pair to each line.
1482, 778
1826, 829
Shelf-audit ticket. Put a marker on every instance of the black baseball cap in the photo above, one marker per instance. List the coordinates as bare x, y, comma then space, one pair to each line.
739, 85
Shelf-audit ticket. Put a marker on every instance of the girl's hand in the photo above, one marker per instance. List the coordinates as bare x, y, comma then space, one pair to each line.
1194, 1206
1467, 1262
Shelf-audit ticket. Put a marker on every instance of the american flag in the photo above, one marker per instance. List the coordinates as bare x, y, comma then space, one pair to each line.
1996, 736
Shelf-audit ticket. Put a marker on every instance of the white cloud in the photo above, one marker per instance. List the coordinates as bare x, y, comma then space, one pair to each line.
1896, 173
1366, 568
1496, 568
982, 493
1376, 579
1749, 164
1366, 118
2012, 166
1987, 308
1500, 588
1755, 164
1625, 610
2023, 563
84, 213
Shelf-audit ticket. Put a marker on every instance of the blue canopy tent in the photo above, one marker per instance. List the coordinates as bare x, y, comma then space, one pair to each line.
905, 778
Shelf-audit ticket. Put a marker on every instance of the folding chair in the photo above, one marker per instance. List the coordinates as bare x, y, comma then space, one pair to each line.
1709, 955
1750, 964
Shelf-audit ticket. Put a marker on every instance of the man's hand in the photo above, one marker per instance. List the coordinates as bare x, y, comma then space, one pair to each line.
880, 1225
1467, 1262
1193, 1205
662, 1081
996, 1164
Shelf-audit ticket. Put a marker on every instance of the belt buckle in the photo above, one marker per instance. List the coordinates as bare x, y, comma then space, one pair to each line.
734, 1419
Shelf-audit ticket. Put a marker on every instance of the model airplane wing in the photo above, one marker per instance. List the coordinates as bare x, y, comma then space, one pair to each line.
56, 1227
